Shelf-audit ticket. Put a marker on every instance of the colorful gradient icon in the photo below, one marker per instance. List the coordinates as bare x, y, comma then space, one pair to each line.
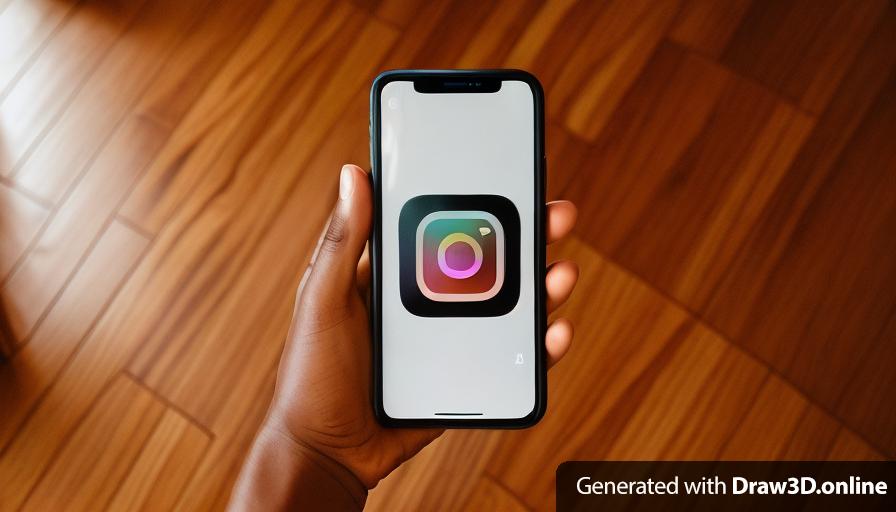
460, 256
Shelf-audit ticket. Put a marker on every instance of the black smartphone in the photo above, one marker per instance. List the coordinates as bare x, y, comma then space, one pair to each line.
458, 301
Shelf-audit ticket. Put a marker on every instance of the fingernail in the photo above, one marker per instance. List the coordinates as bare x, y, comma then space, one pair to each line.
345, 183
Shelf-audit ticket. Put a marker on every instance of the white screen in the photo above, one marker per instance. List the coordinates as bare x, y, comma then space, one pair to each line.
458, 144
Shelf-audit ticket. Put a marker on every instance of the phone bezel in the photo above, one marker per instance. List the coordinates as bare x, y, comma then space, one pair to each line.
540, 319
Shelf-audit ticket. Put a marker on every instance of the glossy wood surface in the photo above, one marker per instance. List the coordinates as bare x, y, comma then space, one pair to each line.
166, 165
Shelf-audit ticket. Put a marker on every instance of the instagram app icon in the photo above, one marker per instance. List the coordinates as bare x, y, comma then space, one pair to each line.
459, 255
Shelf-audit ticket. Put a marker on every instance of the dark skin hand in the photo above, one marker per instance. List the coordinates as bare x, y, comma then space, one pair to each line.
320, 445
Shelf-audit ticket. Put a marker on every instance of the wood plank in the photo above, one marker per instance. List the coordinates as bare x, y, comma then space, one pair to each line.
851, 223
542, 27
567, 156
678, 90
669, 401
97, 454
754, 248
59, 158
825, 295
813, 436
52, 420
706, 26
25, 26
826, 163
815, 162
716, 412
224, 109
493, 41
441, 476
398, 13
605, 46
187, 72
26, 378
679, 209
164, 466
213, 479
122, 159
74, 228
117, 453
802, 48
441, 33
68, 59
20, 220
766, 430
600, 71
849, 446
489, 495
871, 386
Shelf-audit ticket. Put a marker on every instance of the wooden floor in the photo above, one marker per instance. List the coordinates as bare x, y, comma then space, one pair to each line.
165, 166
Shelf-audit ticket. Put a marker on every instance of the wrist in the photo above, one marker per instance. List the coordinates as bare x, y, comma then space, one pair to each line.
311, 463
283, 473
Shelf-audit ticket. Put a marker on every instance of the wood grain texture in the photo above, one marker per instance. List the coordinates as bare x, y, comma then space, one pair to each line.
220, 125
42, 93
166, 166
861, 399
166, 463
680, 220
98, 454
787, 296
115, 458
27, 377
111, 174
51, 414
802, 48
442, 476
20, 221
848, 446
25, 26
720, 230
706, 26
489, 495
105, 98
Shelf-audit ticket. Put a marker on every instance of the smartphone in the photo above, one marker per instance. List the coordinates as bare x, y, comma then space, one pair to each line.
457, 252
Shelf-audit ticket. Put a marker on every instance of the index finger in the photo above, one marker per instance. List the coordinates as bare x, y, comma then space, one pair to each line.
561, 217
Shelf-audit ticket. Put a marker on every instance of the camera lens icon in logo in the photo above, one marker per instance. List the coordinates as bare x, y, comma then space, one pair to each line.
465, 256
460, 256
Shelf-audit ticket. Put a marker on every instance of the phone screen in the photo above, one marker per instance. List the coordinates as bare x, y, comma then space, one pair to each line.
459, 221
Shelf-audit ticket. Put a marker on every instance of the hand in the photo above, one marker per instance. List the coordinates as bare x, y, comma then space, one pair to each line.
321, 408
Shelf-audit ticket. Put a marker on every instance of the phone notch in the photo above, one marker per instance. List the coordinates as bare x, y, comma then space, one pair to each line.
456, 85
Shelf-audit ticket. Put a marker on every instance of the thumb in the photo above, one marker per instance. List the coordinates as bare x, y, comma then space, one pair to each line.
329, 282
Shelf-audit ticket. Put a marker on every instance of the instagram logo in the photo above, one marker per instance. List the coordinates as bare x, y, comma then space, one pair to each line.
459, 255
